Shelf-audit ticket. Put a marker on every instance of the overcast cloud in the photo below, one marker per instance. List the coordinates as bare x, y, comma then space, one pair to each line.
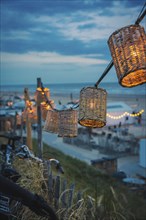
60, 41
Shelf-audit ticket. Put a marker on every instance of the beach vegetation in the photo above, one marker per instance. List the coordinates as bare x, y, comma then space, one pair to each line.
95, 195
102, 197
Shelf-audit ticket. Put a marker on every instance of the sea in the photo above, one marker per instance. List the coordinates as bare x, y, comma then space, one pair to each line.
67, 89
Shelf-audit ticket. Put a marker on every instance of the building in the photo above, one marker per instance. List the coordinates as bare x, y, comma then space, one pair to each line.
117, 109
142, 153
109, 165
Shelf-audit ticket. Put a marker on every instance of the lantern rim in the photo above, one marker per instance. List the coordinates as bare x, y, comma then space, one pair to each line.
122, 80
120, 29
93, 87
92, 123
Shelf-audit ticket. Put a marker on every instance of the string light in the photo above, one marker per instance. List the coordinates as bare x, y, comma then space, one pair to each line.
124, 114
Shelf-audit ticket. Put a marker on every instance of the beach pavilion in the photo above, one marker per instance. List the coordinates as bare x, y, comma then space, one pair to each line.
116, 113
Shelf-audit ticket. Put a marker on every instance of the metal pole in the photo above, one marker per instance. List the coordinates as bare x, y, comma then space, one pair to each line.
39, 127
104, 73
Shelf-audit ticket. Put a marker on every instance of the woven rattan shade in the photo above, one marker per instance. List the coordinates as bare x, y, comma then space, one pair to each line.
92, 107
51, 123
68, 123
24, 115
127, 47
31, 114
44, 113
45, 107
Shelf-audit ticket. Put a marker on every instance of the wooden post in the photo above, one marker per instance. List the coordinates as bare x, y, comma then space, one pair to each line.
21, 128
29, 133
28, 123
40, 144
15, 123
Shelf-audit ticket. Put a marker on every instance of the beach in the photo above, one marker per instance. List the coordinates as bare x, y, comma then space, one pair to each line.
136, 102
138, 130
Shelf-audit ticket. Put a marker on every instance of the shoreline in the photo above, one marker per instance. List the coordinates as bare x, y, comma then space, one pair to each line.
136, 102
133, 100
62, 96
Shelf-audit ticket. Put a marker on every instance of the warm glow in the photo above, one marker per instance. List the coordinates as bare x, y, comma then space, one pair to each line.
124, 114
92, 105
39, 89
127, 47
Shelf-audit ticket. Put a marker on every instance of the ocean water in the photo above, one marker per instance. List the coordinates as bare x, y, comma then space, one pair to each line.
74, 88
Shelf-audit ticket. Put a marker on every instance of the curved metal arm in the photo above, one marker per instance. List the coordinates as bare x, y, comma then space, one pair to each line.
110, 65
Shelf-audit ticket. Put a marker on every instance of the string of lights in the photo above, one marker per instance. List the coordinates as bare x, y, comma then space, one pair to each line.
125, 114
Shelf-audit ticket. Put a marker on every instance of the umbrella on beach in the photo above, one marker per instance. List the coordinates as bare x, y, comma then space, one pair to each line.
20, 104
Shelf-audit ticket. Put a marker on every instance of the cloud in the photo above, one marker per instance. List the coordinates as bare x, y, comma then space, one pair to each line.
50, 58
60, 37
82, 25
94, 25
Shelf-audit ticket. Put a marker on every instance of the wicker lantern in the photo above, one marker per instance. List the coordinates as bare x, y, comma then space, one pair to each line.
51, 123
45, 107
68, 123
28, 103
31, 113
42, 95
24, 115
127, 47
92, 107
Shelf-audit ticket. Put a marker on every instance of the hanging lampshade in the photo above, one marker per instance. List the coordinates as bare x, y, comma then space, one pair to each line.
51, 123
68, 123
42, 95
32, 114
45, 107
24, 115
127, 47
92, 107
28, 103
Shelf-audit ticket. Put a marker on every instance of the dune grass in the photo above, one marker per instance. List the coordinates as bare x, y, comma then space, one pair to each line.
103, 197
99, 186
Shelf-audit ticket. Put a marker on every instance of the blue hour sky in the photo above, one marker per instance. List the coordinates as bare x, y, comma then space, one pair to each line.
61, 41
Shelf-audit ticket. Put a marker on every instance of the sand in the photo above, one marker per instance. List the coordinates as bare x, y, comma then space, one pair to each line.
134, 101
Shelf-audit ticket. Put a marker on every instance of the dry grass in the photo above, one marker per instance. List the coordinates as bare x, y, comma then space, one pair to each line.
32, 179
106, 201
107, 206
